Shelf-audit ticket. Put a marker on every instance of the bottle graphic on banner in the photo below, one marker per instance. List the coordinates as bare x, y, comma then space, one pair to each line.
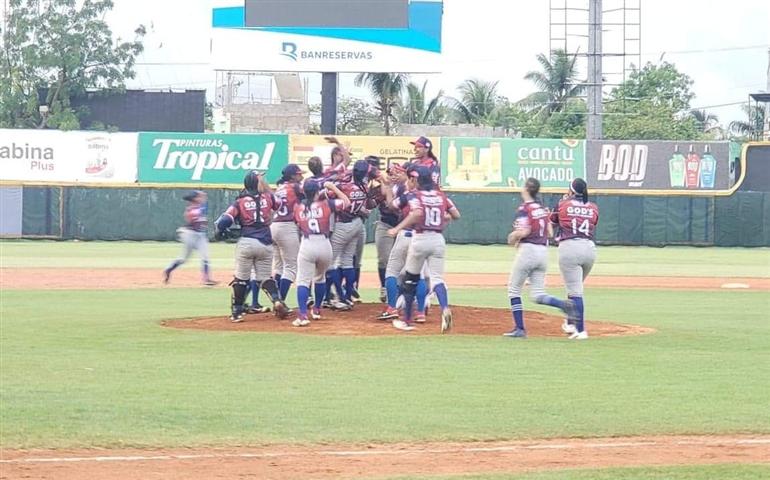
451, 157
708, 166
496, 160
692, 169
676, 168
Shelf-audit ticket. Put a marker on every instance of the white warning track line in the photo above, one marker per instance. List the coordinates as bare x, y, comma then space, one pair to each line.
397, 452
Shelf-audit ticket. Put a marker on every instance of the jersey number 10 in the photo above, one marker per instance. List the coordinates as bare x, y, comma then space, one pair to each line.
433, 217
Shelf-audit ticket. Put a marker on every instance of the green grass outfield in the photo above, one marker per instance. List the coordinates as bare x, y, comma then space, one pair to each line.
710, 472
94, 368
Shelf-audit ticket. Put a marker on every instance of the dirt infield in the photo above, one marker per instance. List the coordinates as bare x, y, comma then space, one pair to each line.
361, 322
118, 279
383, 460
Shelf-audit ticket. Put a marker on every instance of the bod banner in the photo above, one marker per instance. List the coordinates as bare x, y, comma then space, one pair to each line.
664, 166
479, 163
209, 158
67, 157
389, 149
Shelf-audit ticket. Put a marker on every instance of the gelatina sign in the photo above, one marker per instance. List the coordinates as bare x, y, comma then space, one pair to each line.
664, 166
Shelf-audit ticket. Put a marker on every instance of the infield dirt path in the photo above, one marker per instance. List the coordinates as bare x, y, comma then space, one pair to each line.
112, 279
382, 460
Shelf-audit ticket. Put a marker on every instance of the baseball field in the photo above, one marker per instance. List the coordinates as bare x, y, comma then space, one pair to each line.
107, 373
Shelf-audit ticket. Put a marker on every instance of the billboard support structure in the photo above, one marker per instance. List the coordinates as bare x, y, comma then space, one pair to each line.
329, 82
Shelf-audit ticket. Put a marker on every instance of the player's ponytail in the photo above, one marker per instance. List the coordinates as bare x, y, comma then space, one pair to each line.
532, 186
579, 188
310, 189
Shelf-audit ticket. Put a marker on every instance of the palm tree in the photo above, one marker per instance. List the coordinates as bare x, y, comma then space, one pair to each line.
386, 88
707, 122
413, 108
478, 101
741, 128
557, 82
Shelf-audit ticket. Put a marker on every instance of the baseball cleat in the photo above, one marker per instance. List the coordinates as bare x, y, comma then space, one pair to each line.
568, 328
402, 325
383, 295
316, 315
301, 322
237, 317
254, 309
516, 333
579, 336
419, 317
210, 283
328, 304
355, 297
341, 306
446, 320
166, 276
388, 314
280, 309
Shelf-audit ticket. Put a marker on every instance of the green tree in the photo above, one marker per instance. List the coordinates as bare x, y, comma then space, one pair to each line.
742, 129
557, 83
54, 51
653, 104
415, 108
355, 116
386, 88
478, 101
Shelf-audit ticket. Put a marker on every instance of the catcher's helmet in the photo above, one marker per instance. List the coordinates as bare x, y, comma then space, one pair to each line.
360, 170
251, 181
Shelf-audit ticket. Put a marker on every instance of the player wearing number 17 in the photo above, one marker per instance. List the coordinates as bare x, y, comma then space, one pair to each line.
531, 230
429, 212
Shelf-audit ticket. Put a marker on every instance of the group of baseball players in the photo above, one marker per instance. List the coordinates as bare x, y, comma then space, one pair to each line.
311, 232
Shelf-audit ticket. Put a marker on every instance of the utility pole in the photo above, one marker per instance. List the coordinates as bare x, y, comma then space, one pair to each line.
766, 127
594, 130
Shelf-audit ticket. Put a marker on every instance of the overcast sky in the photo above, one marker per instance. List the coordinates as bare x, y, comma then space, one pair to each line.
723, 46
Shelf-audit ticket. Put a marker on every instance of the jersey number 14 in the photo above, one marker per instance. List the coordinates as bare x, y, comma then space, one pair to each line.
584, 227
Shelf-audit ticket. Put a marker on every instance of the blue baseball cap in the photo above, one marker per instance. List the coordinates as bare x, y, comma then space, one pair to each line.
290, 170
423, 142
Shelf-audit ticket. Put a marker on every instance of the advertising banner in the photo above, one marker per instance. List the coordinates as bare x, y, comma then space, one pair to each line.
658, 165
209, 158
67, 157
479, 163
389, 149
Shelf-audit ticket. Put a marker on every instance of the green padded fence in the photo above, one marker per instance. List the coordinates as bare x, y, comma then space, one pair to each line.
742, 219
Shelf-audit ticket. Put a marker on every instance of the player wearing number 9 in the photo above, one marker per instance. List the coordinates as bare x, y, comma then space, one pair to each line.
531, 230
577, 219
313, 217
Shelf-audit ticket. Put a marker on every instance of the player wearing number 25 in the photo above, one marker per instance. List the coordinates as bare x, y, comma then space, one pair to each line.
577, 219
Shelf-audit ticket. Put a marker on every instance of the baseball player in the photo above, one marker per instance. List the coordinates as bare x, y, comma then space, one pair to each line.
348, 230
429, 210
389, 218
194, 236
253, 210
577, 219
424, 157
531, 230
284, 230
313, 217
398, 199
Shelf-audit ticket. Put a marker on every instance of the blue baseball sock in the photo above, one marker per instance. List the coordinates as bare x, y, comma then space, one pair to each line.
350, 279
303, 293
442, 295
283, 288
254, 287
579, 321
422, 294
174, 265
205, 270
381, 273
391, 285
358, 277
336, 282
551, 301
329, 285
320, 292
518, 312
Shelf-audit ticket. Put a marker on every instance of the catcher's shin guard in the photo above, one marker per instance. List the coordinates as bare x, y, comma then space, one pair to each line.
239, 294
409, 289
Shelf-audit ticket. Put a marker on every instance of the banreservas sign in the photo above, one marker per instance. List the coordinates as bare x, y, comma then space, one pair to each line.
209, 158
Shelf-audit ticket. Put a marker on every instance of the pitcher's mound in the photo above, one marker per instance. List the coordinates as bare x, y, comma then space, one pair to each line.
361, 321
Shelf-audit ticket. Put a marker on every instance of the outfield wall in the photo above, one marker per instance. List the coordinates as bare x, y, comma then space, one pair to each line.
742, 219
